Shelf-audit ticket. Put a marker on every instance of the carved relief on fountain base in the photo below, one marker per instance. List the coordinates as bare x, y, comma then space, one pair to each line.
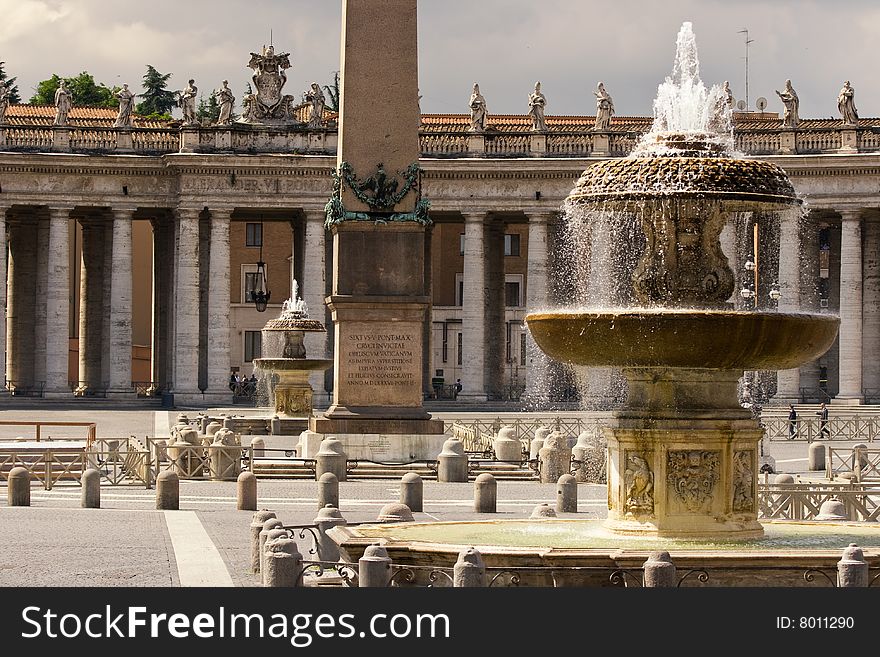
704, 475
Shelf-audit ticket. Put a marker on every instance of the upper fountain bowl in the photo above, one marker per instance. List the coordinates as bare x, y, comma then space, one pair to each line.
710, 339
685, 166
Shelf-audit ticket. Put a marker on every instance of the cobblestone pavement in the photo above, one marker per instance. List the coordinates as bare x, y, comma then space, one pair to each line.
55, 542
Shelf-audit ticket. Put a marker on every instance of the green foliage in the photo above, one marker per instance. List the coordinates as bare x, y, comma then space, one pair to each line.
158, 99
208, 111
85, 91
14, 97
333, 93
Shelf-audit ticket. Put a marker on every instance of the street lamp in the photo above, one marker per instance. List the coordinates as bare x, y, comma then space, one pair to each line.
260, 294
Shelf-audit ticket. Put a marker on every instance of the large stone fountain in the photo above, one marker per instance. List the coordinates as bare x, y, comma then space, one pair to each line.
285, 370
682, 452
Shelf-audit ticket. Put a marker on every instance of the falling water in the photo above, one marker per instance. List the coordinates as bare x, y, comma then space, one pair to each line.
600, 244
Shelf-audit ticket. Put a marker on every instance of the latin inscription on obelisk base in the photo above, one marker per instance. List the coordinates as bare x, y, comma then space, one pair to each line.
380, 293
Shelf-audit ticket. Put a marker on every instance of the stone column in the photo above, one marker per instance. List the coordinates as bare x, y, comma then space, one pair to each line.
3, 273
41, 256
473, 309
871, 307
91, 305
163, 276
313, 289
788, 381
537, 297
809, 288
20, 310
120, 306
105, 307
850, 308
186, 308
57, 303
218, 308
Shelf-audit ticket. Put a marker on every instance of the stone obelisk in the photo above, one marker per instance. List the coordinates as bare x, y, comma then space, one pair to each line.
378, 219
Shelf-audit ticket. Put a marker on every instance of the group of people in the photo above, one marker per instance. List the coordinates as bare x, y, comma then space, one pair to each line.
242, 386
824, 429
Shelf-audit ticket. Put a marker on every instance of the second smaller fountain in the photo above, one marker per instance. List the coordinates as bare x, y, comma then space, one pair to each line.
283, 373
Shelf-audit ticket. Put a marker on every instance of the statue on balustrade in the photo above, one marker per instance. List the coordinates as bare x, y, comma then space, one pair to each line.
478, 110
789, 98
604, 108
226, 100
126, 103
728, 95
187, 102
315, 98
537, 102
63, 103
847, 105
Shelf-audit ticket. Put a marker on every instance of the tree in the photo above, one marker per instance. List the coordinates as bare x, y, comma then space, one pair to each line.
208, 110
158, 101
85, 91
14, 97
333, 93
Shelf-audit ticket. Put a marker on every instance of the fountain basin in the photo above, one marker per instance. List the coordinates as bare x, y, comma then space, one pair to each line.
743, 184
779, 558
673, 338
298, 364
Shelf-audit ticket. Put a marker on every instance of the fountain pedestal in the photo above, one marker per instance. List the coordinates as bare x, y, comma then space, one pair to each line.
688, 471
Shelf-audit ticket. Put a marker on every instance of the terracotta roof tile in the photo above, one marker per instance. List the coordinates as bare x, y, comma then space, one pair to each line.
93, 117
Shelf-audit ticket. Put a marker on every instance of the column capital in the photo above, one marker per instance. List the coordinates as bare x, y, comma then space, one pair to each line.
62, 212
314, 214
222, 214
850, 214
124, 212
187, 213
475, 217
542, 216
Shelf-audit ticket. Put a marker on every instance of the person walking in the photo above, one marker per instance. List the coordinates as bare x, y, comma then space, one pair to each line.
824, 431
792, 422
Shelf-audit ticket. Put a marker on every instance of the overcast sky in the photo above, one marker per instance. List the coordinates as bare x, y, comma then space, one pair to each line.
504, 45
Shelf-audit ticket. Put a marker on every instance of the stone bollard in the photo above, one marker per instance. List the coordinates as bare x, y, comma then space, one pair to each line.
542, 511
271, 535
816, 457
469, 569
553, 462
783, 479
537, 443
862, 462
270, 524
275, 426
246, 490
260, 517
567, 494
212, 428
833, 509
374, 568
91, 489
228, 423
660, 571
327, 518
852, 569
580, 453
411, 491
507, 446
284, 563
168, 491
19, 487
258, 445
328, 490
452, 463
485, 494
204, 420
331, 458
395, 512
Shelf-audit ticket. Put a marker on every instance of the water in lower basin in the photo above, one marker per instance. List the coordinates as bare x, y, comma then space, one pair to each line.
591, 534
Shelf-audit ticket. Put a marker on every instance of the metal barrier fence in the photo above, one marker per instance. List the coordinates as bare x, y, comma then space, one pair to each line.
860, 428
47, 465
804, 501
863, 462
91, 428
